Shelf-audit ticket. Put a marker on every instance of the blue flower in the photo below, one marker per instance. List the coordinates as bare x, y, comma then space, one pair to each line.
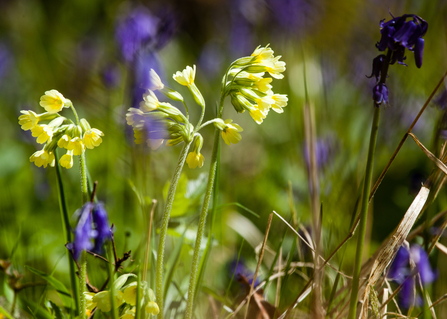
377, 67
93, 224
380, 93
401, 273
399, 34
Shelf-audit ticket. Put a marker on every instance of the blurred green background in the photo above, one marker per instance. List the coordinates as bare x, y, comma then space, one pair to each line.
328, 45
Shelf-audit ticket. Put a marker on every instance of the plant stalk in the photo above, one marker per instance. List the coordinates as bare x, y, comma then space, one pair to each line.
364, 213
164, 227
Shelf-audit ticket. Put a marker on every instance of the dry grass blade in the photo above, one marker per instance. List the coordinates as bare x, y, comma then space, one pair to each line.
429, 154
388, 252
441, 247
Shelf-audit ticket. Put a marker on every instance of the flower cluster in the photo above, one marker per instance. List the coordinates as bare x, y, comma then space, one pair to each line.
249, 90
125, 299
93, 224
402, 271
58, 132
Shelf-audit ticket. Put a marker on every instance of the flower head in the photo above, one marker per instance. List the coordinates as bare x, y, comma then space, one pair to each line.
380, 93
102, 226
186, 77
155, 81
67, 160
150, 102
28, 120
76, 145
230, 133
280, 102
194, 158
42, 158
152, 308
102, 300
43, 133
92, 138
53, 101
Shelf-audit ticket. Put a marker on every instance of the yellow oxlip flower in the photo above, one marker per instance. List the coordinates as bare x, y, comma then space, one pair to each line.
186, 77
42, 132
264, 104
28, 120
90, 305
130, 294
150, 102
129, 314
155, 82
76, 145
52, 101
262, 54
102, 300
280, 102
152, 308
42, 158
67, 160
275, 67
92, 138
263, 85
230, 133
257, 115
193, 160
63, 141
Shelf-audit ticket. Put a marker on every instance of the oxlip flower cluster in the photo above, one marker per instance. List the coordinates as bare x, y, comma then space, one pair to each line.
93, 225
398, 34
54, 130
407, 264
250, 90
125, 298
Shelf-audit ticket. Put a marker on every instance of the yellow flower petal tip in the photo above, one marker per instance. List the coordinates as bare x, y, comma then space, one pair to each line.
53, 101
186, 77
28, 120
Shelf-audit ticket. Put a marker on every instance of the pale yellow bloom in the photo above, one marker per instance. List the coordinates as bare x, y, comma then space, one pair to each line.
230, 133
76, 145
155, 81
130, 293
52, 101
263, 85
139, 135
150, 102
152, 308
257, 115
42, 158
280, 102
129, 314
102, 300
186, 77
67, 160
195, 160
63, 141
264, 104
92, 138
134, 116
42, 132
262, 54
28, 120
275, 67
90, 305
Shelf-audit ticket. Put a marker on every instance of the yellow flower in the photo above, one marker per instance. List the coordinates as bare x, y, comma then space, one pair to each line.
53, 101
264, 104
155, 82
42, 132
42, 158
280, 102
76, 145
134, 117
263, 85
186, 77
230, 133
92, 138
67, 160
150, 102
195, 159
130, 294
152, 308
262, 54
102, 300
275, 67
257, 115
90, 305
28, 120
63, 141
129, 314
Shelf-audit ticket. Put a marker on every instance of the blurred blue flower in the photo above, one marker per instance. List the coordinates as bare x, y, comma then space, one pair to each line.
93, 224
401, 272
398, 35
380, 93
111, 76
6, 60
240, 270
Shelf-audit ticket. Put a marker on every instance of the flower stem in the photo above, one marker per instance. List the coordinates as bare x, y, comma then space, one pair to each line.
67, 232
364, 213
202, 220
164, 227
82, 280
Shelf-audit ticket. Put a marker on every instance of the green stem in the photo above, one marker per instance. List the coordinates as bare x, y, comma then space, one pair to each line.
164, 227
82, 280
111, 271
67, 232
364, 213
202, 220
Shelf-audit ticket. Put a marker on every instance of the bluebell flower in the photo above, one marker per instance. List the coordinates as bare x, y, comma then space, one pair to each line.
241, 270
380, 93
401, 273
93, 224
111, 76
377, 66
399, 34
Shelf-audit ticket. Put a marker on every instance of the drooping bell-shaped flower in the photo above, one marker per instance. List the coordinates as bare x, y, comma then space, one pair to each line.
380, 94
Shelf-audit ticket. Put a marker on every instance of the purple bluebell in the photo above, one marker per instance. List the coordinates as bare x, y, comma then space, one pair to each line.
420, 258
111, 76
380, 93
84, 231
93, 224
399, 34
240, 269
399, 268
377, 66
